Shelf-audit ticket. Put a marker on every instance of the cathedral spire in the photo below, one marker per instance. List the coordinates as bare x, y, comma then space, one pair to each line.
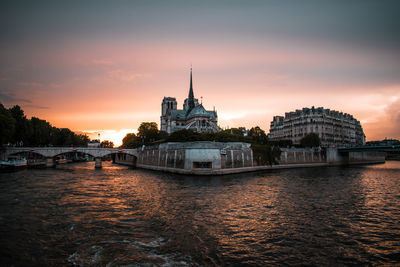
191, 95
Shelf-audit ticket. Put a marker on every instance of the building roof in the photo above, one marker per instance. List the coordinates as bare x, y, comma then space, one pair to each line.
198, 111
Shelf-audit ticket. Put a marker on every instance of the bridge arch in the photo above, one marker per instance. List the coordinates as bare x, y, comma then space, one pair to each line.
26, 154
50, 153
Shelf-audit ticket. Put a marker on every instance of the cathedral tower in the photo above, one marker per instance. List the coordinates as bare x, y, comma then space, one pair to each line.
168, 104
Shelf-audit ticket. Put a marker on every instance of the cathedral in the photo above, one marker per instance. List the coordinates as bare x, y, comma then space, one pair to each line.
193, 116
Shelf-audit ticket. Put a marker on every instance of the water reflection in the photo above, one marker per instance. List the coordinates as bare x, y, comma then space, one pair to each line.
81, 216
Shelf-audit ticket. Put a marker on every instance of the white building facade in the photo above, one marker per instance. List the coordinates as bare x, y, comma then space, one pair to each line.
333, 127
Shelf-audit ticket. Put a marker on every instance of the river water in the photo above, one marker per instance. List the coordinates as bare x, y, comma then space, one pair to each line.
76, 215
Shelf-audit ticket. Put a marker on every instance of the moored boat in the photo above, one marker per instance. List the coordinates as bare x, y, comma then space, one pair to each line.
13, 165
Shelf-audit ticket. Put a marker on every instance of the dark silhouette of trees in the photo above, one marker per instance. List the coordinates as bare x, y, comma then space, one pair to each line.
184, 136
16, 129
148, 132
130, 141
22, 126
7, 125
42, 133
310, 140
258, 135
265, 154
234, 131
107, 143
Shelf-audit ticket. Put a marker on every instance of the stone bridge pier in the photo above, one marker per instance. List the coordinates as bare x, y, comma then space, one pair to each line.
50, 162
97, 163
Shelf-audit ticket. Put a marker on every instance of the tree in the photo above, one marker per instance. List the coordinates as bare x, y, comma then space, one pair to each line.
22, 126
258, 135
310, 140
81, 140
276, 154
163, 135
41, 132
17, 129
265, 154
234, 131
130, 141
148, 132
184, 135
107, 143
7, 125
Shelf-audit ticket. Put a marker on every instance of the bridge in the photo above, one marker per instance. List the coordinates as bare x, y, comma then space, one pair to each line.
50, 153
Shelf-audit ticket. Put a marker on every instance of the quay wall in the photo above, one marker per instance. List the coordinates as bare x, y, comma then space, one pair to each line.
196, 156
215, 158
301, 155
335, 157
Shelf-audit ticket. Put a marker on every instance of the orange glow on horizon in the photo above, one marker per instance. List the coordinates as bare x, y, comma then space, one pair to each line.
247, 85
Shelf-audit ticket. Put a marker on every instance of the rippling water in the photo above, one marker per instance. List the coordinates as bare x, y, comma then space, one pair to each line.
76, 215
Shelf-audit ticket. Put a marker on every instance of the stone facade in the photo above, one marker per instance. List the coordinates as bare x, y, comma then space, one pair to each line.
301, 155
197, 156
333, 127
193, 116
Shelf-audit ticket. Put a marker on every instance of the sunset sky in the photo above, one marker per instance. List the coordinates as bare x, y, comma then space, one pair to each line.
104, 66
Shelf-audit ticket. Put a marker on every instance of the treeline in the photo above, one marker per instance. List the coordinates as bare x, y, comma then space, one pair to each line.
148, 134
16, 129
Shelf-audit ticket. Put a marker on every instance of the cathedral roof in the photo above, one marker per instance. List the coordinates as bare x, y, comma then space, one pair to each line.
199, 111
178, 114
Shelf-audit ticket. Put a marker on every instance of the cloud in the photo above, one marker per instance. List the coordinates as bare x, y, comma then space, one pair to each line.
386, 125
10, 98
103, 62
36, 106
30, 84
393, 114
124, 75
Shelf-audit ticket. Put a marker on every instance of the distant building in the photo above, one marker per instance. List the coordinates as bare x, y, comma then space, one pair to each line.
94, 143
193, 116
333, 127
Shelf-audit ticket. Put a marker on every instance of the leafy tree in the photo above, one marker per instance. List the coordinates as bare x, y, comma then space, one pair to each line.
265, 154
22, 126
258, 135
225, 136
41, 132
83, 139
34, 132
276, 155
148, 132
7, 125
234, 131
163, 135
130, 141
107, 143
310, 140
184, 135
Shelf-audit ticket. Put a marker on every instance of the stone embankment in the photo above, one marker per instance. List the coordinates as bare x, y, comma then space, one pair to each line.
216, 158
